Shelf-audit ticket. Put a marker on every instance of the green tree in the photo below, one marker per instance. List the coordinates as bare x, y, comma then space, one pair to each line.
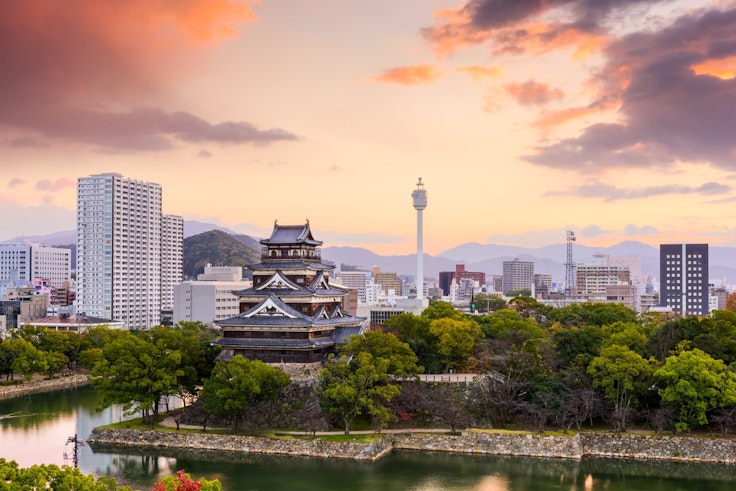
508, 324
718, 337
238, 384
29, 361
414, 331
576, 346
622, 374
53, 477
665, 339
629, 334
524, 292
693, 383
402, 361
137, 373
193, 341
55, 362
10, 350
488, 302
67, 343
441, 310
455, 340
359, 386
598, 314
529, 307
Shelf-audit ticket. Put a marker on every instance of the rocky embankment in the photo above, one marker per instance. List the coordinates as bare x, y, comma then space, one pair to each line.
9, 391
625, 445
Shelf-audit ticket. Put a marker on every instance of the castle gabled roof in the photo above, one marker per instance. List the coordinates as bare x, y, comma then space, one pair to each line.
291, 234
320, 282
272, 311
278, 281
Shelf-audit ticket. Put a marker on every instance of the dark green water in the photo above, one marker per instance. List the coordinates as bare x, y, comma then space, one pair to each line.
33, 430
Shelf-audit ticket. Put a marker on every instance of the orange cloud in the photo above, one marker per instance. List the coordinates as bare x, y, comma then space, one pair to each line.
409, 75
478, 72
78, 47
550, 119
722, 68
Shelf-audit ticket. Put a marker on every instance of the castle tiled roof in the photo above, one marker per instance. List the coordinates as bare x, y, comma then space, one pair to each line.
291, 234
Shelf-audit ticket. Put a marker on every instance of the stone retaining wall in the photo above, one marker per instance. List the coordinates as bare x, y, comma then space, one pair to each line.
471, 442
9, 391
476, 442
661, 447
244, 444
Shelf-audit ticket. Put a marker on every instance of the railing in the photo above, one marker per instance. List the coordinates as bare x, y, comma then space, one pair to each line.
291, 254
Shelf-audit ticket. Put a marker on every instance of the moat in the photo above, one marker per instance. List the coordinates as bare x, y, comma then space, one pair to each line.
34, 429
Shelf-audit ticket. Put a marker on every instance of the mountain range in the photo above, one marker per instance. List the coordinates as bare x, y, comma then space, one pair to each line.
216, 248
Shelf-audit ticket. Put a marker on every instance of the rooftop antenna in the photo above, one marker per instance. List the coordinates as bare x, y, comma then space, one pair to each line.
570, 268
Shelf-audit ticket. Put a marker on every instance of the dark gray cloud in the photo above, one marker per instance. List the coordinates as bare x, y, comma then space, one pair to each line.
15, 183
608, 193
140, 129
671, 109
204, 154
502, 21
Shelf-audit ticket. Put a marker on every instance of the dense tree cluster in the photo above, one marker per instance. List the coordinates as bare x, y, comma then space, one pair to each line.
43, 351
541, 367
536, 367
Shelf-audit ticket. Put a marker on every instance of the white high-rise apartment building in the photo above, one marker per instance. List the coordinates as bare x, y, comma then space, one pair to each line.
172, 250
22, 262
128, 253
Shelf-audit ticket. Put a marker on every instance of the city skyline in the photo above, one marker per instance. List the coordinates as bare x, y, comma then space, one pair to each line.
613, 119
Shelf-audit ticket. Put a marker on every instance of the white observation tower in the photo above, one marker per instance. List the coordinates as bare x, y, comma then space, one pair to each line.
420, 203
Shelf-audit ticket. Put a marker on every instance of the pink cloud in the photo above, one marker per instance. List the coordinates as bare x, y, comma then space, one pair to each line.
57, 185
532, 93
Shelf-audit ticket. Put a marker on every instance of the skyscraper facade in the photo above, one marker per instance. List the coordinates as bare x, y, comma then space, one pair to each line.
22, 262
683, 270
121, 236
172, 258
517, 275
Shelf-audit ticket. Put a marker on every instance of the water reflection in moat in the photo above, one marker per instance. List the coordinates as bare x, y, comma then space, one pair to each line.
33, 430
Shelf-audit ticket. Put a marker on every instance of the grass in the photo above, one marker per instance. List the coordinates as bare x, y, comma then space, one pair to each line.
523, 432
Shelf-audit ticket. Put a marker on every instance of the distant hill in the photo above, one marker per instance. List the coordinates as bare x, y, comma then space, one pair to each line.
193, 227
218, 245
218, 248
55, 239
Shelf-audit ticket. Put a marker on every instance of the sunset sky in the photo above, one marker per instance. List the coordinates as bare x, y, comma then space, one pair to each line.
616, 119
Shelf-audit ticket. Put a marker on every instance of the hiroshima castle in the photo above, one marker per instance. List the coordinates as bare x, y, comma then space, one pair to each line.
291, 314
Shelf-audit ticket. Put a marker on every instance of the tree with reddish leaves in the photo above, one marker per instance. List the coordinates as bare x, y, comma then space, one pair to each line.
182, 482
731, 302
